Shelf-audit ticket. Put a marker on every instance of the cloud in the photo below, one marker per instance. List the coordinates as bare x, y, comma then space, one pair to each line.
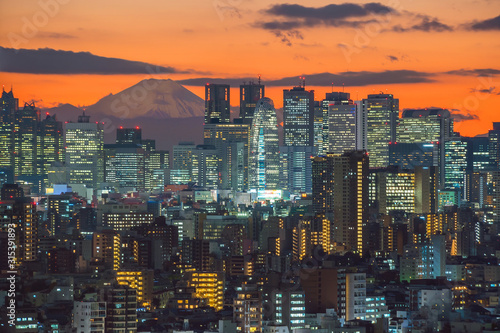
50, 61
490, 91
427, 24
287, 36
475, 72
392, 58
54, 35
459, 116
490, 24
363, 78
297, 16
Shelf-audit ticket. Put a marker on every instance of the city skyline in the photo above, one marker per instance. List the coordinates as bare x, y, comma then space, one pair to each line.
369, 52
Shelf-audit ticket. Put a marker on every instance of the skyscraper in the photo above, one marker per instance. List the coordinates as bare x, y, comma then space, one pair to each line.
50, 144
26, 125
338, 98
296, 171
458, 162
231, 142
85, 152
8, 108
342, 126
426, 126
205, 166
249, 96
181, 165
217, 103
381, 112
125, 165
340, 185
494, 144
129, 135
298, 117
264, 147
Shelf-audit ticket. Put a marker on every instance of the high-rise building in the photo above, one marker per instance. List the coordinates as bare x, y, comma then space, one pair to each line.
85, 152
481, 160
381, 112
340, 185
21, 213
264, 147
250, 94
298, 117
425, 127
217, 103
458, 162
494, 144
231, 142
411, 155
180, 172
8, 108
50, 144
128, 135
296, 168
205, 166
339, 98
27, 121
125, 165
342, 126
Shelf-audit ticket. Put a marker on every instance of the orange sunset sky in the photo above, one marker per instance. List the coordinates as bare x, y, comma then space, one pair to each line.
451, 47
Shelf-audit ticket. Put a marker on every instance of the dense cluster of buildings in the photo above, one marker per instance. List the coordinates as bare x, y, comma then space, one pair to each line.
347, 217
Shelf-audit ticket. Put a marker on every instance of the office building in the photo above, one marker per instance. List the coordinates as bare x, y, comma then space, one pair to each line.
250, 94
231, 142
298, 117
129, 135
381, 112
339, 98
84, 143
8, 109
458, 162
264, 147
296, 168
343, 125
125, 165
182, 154
217, 103
205, 166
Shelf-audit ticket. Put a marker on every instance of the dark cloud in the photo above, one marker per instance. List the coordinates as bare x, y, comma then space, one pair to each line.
50, 61
298, 16
490, 24
392, 58
325, 79
329, 13
490, 91
427, 24
475, 72
459, 115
